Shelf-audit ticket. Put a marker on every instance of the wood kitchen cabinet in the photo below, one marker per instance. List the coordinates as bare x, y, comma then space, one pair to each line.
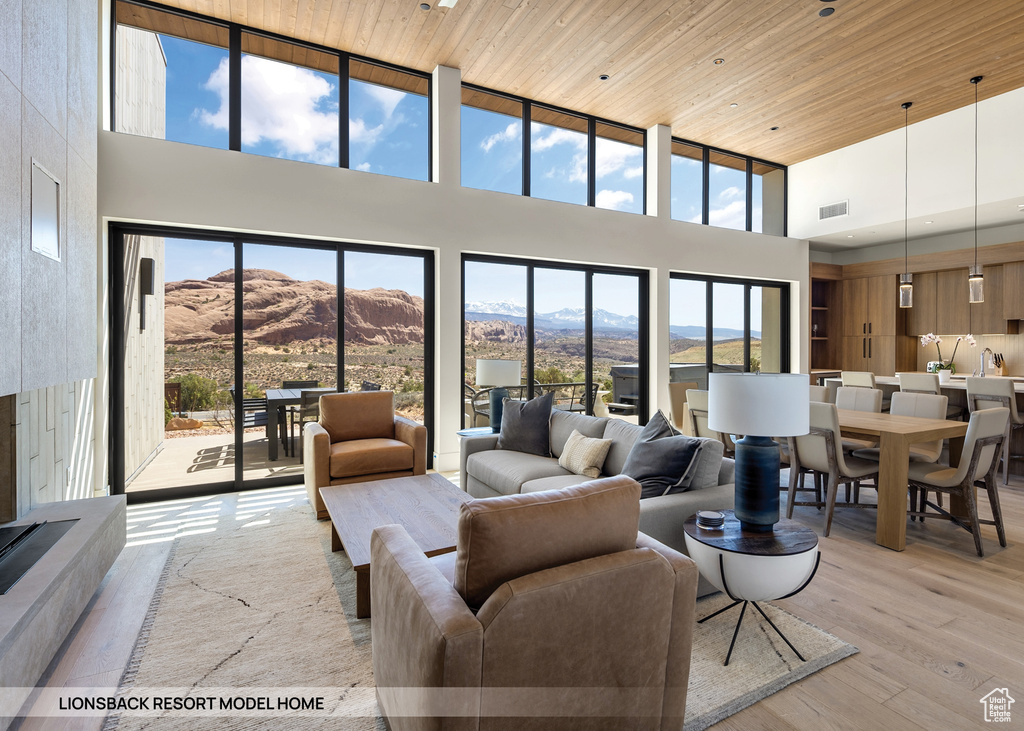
921, 318
879, 354
987, 318
953, 312
1013, 291
869, 306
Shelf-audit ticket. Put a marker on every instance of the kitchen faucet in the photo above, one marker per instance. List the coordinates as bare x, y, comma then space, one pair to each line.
981, 372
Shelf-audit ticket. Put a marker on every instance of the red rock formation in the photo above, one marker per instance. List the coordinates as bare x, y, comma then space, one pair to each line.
278, 310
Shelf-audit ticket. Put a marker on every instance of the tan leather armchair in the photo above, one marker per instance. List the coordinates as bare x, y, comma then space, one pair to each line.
358, 438
553, 608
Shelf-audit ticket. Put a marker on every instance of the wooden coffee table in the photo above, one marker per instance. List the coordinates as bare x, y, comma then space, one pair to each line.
427, 506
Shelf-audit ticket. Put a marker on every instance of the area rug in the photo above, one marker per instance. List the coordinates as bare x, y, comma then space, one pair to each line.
265, 604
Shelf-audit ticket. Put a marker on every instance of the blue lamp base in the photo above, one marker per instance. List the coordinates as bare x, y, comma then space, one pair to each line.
757, 483
497, 396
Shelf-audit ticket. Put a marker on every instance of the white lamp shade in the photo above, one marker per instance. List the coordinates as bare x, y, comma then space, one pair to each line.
494, 372
759, 404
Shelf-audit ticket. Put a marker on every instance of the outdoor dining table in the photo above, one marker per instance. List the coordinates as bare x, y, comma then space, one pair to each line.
277, 400
895, 434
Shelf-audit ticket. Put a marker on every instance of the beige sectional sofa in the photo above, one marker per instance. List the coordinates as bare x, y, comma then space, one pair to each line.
490, 472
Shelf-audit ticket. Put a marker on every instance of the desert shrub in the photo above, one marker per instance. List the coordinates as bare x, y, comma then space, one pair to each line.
554, 374
310, 366
411, 386
251, 390
197, 393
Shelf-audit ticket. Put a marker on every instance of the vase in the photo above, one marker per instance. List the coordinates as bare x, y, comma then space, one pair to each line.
944, 374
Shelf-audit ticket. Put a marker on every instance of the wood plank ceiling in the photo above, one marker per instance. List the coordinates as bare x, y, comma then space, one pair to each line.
825, 82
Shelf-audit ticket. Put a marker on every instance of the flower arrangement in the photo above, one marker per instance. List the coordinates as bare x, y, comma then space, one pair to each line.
947, 365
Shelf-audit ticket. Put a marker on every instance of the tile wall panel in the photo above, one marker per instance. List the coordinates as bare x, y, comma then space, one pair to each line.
80, 263
10, 235
10, 40
43, 292
83, 95
44, 62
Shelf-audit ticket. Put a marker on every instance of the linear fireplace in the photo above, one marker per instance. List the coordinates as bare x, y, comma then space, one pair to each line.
22, 545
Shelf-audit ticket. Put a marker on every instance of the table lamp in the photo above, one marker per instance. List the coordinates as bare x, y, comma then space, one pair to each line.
759, 406
497, 374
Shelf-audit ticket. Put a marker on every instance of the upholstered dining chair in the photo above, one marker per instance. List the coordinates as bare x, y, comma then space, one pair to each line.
819, 450
854, 398
926, 383
358, 437
522, 626
819, 393
987, 393
921, 405
858, 379
697, 403
986, 433
677, 400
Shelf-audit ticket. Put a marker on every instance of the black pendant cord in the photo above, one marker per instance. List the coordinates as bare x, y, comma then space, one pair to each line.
975, 81
906, 185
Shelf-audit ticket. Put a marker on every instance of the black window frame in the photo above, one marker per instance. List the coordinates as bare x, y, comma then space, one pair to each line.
749, 162
235, 31
117, 231
785, 329
589, 270
527, 117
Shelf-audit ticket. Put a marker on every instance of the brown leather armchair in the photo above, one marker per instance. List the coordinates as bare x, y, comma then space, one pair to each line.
554, 612
358, 438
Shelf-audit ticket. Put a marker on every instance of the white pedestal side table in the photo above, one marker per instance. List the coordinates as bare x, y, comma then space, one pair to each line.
752, 567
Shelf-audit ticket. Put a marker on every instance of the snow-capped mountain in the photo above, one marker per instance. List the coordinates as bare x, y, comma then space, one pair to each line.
505, 307
568, 318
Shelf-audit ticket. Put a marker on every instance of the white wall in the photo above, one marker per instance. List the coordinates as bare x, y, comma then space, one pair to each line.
870, 174
148, 180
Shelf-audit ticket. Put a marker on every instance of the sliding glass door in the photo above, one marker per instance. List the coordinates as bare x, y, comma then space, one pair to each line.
721, 325
578, 332
223, 344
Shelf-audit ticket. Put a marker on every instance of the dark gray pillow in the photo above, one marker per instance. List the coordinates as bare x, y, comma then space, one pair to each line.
525, 427
661, 458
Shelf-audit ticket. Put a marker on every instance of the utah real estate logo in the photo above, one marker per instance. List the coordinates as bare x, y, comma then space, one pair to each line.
997, 706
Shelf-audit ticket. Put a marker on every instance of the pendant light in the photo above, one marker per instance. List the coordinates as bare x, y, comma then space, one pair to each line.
906, 279
975, 278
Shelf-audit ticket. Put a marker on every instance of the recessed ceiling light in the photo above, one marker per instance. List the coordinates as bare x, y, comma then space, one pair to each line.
849, 236
734, 105
927, 222
603, 77
828, 1
424, 6
825, 12
719, 61
774, 128
446, 3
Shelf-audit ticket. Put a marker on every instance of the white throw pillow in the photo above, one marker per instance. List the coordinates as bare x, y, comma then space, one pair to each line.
584, 455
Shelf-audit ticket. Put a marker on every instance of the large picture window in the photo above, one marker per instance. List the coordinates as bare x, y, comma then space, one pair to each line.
720, 325
579, 332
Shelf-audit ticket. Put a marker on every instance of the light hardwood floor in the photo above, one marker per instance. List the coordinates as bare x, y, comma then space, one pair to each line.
937, 627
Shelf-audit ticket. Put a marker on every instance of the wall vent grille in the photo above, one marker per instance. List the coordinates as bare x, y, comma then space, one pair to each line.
832, 210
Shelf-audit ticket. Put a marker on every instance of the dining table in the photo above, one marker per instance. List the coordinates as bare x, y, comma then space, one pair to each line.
894, 435
277, 400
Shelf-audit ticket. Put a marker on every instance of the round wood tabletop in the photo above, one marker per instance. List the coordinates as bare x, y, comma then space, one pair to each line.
786, 539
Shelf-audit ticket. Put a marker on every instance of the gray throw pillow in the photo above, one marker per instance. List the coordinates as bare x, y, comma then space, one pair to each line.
524, 425
661, 458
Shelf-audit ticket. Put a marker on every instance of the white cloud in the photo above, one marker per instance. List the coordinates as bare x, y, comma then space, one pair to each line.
613, 199
733, 215
279, 106
509, 134
539, 142
613, 156
359, 133
731, 194
630, 173
386, 97
364, 166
